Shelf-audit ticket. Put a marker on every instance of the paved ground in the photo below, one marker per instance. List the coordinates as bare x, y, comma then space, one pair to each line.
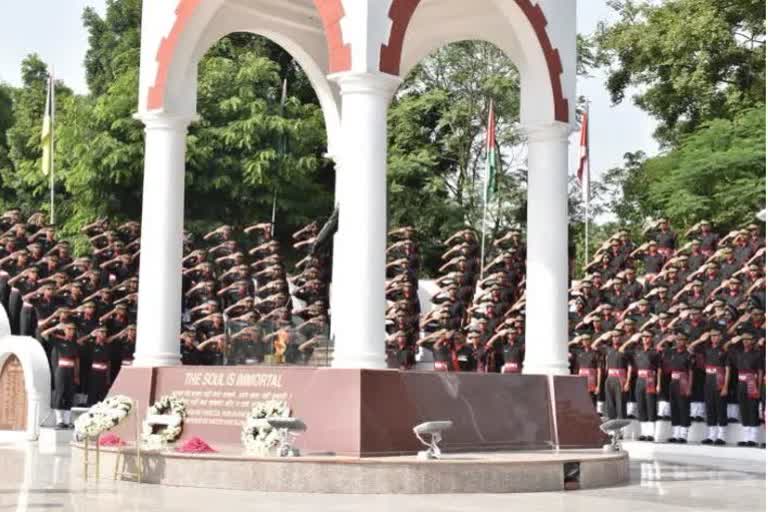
33, 481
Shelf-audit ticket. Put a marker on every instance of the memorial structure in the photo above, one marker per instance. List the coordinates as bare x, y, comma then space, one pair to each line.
355, 53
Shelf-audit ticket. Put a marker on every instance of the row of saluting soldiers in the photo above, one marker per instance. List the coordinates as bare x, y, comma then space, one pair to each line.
236, 308
684, 340
476, 324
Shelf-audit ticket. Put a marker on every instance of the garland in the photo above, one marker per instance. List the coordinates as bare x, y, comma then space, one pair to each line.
102, 416
156, 436
258, 436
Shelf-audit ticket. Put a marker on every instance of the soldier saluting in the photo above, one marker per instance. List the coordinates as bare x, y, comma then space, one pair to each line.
749, 364
718, 373
65, 364
680, 364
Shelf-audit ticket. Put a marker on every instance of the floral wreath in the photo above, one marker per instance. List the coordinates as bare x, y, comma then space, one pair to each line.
102, 416
155, 436
258, 436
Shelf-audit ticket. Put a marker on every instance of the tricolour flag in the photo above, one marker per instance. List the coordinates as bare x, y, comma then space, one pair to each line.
492, 150
46, 137
583, 173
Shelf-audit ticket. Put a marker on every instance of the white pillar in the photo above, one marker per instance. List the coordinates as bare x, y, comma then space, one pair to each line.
360, 245
546, 331
162, 226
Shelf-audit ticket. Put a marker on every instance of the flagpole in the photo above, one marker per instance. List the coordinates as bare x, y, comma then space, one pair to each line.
482, 238
282, 148
588, 194
53, 143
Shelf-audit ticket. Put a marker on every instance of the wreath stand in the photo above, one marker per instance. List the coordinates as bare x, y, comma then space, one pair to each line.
87, 458
120, 472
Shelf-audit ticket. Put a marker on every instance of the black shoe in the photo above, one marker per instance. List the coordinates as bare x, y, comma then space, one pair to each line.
642, 438
741, 443
751, 444
681, 440
719, 442
666, 418
707, 441
671, 440
631, 417
60, 426
732, 420
762, 445
698, 419
71, 426
649, 439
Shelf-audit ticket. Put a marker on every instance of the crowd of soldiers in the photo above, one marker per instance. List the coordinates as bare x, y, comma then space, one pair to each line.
675, 331
477, 321
238, 300
661, 330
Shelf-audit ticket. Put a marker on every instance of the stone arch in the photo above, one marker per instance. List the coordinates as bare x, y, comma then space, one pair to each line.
517, 27
37, 377
198, 25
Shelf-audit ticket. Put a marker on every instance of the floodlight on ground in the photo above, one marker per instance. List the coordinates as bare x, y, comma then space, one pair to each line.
288, 429
433, 429
613, 428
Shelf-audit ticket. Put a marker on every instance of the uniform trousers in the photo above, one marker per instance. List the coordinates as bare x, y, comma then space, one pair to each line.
646, 402
615, 399
748, 407
716, 405
679, 405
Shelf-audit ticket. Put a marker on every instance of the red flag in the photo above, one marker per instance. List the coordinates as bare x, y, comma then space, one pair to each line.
583, 173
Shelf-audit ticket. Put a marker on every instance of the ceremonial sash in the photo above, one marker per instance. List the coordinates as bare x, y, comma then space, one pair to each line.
66, 362
619, 373
510, 368
441, 366
749, 377
650, 380
682, 378
101, 367
591, 375
719, 371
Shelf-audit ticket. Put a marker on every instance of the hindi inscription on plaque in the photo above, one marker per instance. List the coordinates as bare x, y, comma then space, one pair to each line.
13, 396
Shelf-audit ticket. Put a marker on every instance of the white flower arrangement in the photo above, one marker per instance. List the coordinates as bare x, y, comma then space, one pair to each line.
102, 416
156, 436
258, 436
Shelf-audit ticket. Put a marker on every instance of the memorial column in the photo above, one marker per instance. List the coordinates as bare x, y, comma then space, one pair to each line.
546, 331
360, 245
162, 226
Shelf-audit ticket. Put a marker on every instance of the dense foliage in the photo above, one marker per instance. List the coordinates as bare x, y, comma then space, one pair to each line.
698, 64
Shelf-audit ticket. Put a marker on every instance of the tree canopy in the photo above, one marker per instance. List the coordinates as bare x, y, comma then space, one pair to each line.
693, 60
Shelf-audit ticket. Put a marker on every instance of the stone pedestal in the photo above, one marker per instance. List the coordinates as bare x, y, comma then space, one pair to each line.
364, 413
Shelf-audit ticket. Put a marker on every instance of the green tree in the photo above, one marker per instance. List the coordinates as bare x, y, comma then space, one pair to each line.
23, 180
437, 144
717, 173
233, 165
693, 60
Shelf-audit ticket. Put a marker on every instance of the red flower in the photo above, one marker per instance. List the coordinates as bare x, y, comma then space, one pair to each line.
195, 445
110, 440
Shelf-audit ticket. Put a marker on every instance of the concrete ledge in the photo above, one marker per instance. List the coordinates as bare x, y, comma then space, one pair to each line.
507, 472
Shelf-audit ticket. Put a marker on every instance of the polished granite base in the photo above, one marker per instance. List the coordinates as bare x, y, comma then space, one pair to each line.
501, 472
371, 413
30, 481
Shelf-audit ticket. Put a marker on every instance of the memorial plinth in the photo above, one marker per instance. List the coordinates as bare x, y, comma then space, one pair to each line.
370, 413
